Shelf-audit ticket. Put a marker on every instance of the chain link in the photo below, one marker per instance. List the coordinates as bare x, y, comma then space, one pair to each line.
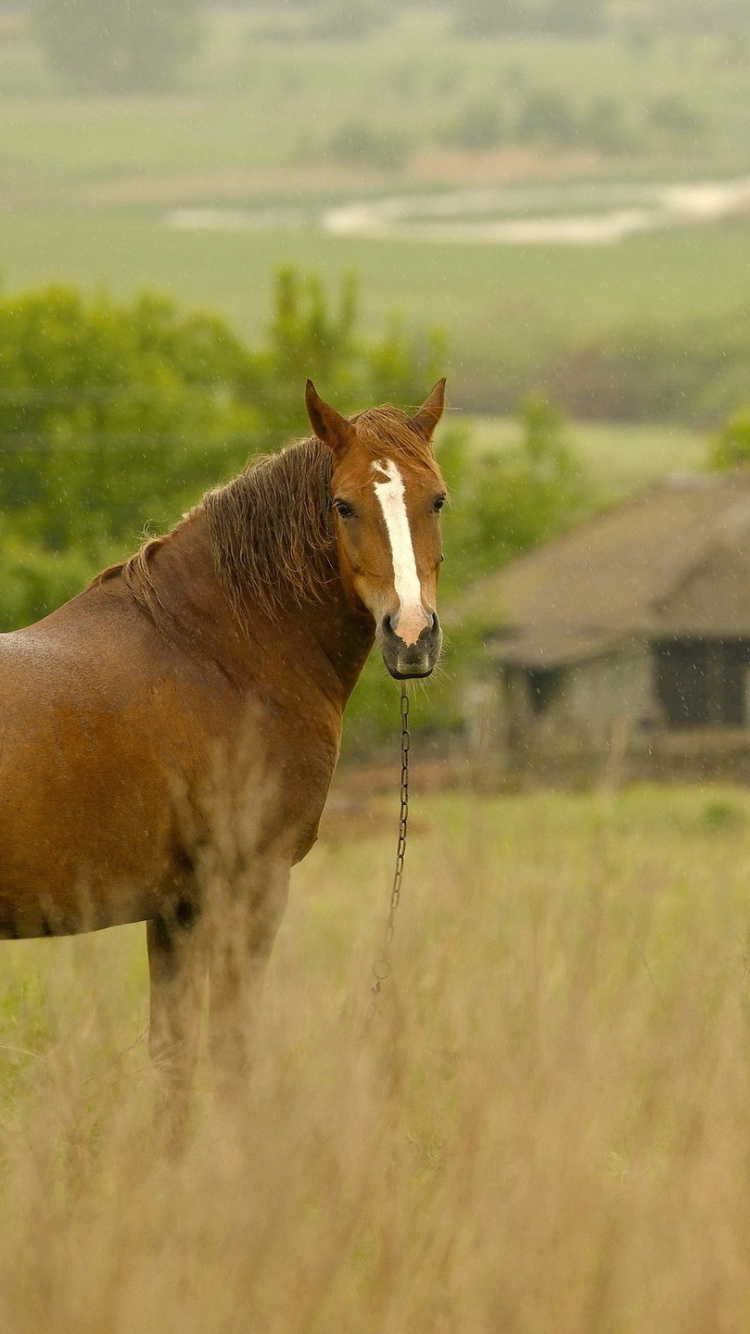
382, 967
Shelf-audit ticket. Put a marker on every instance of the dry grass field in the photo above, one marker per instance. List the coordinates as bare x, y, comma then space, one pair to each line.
545, 1130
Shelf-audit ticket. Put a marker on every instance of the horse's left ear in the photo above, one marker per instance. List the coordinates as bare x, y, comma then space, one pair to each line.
428, 416
329, 426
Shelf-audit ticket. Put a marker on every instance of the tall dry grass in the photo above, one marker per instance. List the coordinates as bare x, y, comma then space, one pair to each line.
546, 1129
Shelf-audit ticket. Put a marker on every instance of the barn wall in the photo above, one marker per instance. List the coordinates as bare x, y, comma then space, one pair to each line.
596, 704
593, 694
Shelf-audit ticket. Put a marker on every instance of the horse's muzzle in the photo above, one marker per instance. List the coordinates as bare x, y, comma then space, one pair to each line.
408, 660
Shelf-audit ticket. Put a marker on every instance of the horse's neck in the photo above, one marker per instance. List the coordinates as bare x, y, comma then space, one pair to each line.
343, 638
323, 636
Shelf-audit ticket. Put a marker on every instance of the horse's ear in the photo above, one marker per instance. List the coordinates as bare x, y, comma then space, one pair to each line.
329, 426
431, 411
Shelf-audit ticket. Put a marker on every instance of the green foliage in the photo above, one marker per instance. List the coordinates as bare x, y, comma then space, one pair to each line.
730, 448
545, 116
117, 416
112, 414
116, 46
35, 580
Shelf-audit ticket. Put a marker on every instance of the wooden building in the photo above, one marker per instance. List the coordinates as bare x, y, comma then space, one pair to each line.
622, 650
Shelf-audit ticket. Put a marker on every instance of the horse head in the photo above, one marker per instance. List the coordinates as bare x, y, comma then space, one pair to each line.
386, 495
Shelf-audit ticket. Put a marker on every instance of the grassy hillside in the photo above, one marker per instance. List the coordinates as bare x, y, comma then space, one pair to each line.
544, 1128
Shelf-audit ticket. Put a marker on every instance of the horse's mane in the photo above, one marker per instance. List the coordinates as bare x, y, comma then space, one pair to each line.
270, 529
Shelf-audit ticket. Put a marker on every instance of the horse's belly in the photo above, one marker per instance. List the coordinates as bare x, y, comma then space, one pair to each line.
61, 881
29, 914
85, 839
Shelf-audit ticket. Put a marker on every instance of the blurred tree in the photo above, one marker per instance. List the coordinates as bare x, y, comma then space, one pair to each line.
360, 142
309, 335
547, 118
109, 414
478, 126
118, 46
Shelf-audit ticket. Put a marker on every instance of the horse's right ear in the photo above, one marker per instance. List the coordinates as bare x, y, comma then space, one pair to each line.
329, 426
431, 411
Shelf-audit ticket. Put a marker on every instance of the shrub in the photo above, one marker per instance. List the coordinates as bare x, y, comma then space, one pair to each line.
356, 141
673, 118
478, 126
605, 127
310, 334
546, 117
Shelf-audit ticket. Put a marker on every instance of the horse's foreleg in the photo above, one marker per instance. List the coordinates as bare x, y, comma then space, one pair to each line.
177, 973
241, 942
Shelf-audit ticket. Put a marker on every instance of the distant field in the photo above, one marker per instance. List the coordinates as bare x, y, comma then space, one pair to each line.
507, 310
86, 184
254, 101
543, 1129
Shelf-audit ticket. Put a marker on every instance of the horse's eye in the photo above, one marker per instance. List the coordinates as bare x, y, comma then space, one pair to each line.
343, 509
439, 504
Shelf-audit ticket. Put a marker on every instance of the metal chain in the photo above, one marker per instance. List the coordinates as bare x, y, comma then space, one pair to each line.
382, 967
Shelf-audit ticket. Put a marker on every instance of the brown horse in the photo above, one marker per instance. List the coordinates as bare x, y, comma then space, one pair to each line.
168, 737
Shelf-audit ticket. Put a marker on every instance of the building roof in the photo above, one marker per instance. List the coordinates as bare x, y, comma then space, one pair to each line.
674, 560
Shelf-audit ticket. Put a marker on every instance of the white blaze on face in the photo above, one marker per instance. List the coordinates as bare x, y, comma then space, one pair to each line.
412, 619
